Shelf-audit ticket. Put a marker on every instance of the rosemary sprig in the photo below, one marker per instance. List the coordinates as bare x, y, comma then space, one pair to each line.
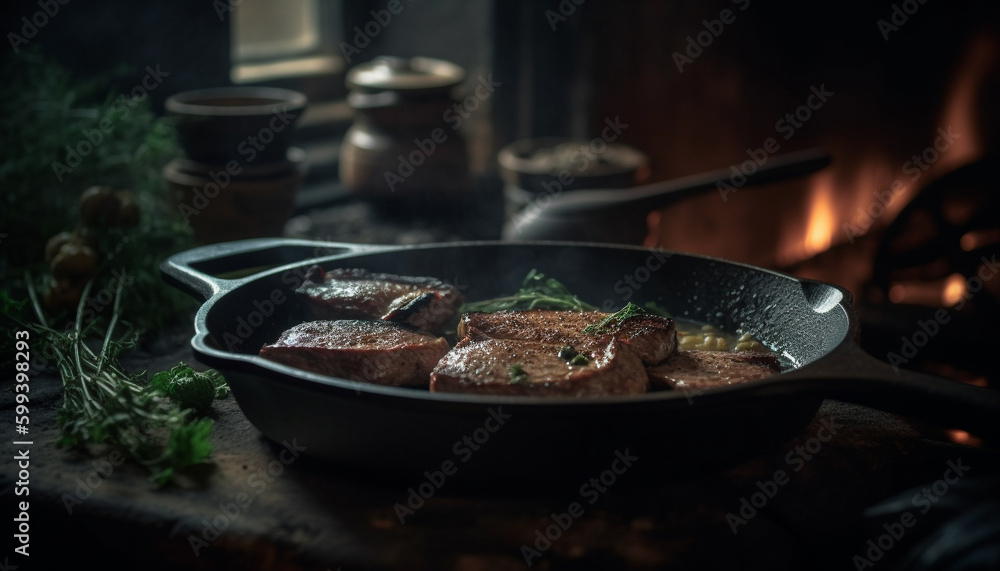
103, 404
630, 310
537, 292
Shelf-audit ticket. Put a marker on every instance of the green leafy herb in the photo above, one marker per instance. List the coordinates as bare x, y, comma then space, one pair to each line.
103, 404
567, 353
572, 356
537, 292
616, 318
190, 388
516, 374
43, 179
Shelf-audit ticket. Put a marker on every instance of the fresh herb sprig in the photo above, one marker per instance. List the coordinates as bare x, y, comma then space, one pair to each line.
190, 388
516, 374
103, 404
537, 292
630, 310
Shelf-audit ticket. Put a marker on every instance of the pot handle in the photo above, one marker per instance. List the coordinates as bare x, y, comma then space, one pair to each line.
850, 374
216, 268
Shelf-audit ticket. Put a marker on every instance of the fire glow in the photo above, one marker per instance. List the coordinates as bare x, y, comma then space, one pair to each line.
819, 234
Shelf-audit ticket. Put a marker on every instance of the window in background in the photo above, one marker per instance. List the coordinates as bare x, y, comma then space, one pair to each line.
273, 40
294, 44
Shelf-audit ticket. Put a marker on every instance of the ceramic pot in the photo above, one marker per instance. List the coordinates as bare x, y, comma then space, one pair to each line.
233, 202
251, 125
402, 147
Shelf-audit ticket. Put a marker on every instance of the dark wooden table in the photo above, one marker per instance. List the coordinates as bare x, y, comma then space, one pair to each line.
260, 506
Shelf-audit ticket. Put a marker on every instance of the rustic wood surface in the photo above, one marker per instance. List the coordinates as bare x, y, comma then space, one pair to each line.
313, 515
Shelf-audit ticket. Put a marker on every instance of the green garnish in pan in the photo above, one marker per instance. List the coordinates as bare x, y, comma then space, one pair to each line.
630, 310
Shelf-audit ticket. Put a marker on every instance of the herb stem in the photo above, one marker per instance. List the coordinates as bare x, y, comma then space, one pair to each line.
111, 326
34, 300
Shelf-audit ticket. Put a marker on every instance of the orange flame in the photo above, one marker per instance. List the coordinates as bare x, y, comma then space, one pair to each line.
963, 96
817, 234
822, 219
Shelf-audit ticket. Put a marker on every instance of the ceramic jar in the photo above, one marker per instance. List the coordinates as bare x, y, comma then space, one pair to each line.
403, 147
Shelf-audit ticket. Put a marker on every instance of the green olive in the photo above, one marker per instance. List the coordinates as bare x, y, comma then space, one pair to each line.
99, 205
74, 262
55, 243
128, 211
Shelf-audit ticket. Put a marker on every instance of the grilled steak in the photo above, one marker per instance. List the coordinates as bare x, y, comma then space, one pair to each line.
369, 351
704, 369
425, 303
651, 337
516, 367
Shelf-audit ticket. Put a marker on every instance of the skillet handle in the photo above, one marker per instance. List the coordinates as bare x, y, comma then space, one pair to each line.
853, 375
216, 268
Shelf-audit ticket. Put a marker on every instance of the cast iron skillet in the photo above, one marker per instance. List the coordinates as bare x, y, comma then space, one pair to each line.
404, 433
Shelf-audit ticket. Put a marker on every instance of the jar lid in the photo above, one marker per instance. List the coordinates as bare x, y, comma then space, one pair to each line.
413, 74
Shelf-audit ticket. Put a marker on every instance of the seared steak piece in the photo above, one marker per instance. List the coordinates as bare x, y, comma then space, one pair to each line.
651, 337
516, 367
369, 351
425, 303
704, 369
